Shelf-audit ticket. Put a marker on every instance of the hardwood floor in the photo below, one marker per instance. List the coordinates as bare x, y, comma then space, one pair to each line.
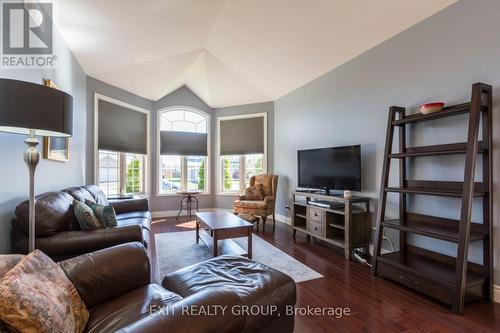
376, 305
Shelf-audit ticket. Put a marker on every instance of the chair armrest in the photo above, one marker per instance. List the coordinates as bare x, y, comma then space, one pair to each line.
179, 317
132, 205
73, 243
268, 200
241, 197
103, 275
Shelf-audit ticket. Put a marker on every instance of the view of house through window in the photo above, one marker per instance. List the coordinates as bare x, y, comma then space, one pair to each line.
238, 169
121, 173
183, 172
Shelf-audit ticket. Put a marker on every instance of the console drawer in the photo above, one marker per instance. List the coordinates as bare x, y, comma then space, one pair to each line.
429, 288
315, 213
316, 227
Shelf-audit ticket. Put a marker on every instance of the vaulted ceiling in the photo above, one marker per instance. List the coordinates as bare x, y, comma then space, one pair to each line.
228, 52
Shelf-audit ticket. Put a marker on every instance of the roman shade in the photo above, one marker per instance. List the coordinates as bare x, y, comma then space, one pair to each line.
122, 129
183, 143
242, 136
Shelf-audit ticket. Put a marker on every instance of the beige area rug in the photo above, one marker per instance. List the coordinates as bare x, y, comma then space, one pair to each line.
177, 250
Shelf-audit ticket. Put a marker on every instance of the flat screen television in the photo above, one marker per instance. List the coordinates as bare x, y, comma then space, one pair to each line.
334, 168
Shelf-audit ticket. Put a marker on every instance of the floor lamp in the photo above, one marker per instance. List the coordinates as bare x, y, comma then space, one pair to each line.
34, 110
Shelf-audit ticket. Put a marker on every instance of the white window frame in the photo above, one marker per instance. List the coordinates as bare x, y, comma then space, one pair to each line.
147, 161
219, 178
183, 158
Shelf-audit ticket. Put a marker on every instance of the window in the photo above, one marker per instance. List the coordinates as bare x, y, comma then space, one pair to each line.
242, 151
238, 169
121, 173
121, 143
179, 168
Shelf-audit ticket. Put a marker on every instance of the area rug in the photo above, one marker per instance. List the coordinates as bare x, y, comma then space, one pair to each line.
176, 250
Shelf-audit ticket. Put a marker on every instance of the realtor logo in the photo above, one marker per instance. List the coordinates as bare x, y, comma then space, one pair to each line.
27, 34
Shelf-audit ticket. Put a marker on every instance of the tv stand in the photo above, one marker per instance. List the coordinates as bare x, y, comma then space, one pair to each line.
345, 224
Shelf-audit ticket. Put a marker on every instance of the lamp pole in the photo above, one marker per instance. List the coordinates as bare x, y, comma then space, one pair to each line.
31, 158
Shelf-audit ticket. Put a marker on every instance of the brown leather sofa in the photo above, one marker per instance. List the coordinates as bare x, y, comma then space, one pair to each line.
58, 233
115, 285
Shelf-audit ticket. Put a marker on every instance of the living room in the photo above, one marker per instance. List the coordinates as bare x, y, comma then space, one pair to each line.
249, 166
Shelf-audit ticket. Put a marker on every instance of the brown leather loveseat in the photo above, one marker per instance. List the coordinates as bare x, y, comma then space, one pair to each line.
58, 233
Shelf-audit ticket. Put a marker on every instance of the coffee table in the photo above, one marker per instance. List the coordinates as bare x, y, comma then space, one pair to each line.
220, 227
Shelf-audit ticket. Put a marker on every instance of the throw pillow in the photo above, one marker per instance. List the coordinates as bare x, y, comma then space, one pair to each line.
38, 297
254, 193
105, 214
7, 261
85, 216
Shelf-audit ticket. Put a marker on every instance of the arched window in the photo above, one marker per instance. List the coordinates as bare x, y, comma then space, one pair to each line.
178, 170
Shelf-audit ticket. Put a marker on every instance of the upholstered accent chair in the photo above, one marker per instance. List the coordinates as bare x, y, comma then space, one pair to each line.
264, 207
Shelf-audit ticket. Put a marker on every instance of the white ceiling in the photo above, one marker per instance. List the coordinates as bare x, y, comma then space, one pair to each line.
228, 52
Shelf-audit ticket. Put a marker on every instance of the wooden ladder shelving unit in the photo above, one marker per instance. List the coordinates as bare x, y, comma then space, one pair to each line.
452, 280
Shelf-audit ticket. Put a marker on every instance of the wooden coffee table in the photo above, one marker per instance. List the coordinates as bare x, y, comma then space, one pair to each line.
220, 227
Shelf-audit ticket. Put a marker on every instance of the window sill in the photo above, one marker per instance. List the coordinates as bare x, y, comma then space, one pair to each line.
179, 195
229, 194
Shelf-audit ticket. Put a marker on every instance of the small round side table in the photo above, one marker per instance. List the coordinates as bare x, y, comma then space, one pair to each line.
189, 196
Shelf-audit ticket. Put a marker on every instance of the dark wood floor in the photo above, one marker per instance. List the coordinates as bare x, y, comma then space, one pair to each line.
377, 305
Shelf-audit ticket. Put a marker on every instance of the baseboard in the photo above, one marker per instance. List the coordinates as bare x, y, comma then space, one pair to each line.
496, 293
283, 219
170, 213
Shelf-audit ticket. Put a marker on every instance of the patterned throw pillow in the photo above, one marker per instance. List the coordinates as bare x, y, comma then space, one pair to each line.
254, 193
86, 217
7, 261
105, 214
38, 297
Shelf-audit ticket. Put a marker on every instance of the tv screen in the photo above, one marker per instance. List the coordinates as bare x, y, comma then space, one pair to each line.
335, 168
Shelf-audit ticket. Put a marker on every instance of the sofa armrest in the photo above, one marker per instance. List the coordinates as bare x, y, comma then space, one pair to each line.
106, 274
73, 243
182, 316
132, 205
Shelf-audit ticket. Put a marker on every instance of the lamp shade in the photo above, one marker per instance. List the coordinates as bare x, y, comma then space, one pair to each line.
26, 106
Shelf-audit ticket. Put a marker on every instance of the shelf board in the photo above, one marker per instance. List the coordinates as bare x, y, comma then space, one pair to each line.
300, 203
432, 226
436, 188
448, 111
300, 215
444, 149
429, 267
337, 226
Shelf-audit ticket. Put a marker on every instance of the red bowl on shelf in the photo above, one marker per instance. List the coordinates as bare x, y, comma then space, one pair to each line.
431, 107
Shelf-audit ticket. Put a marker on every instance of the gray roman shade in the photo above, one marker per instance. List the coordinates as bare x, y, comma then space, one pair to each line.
183, 143
242, 136
122, 129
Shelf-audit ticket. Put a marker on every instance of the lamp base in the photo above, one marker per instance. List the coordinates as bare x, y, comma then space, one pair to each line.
31, 158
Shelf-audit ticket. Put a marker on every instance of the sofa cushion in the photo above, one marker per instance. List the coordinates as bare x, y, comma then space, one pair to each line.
134, 215
98, 194
79, 193
38, 297
105, 214
255, 283
86, 217
54, 213
129, 308
142, 221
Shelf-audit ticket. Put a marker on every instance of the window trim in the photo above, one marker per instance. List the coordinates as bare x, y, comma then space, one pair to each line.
147, 161
218, 176
158, 156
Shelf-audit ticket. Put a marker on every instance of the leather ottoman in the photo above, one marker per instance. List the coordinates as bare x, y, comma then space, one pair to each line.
264, 292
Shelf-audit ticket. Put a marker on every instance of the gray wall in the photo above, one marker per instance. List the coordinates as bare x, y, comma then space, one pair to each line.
94, 86
50, 175
226, 201
437, 59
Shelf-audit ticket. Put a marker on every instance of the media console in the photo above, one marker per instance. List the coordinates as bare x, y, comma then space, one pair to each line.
346, 223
